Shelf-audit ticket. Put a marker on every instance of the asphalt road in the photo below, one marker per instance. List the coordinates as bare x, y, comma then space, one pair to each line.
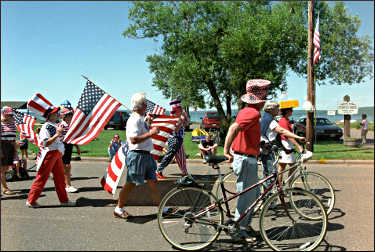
91, 226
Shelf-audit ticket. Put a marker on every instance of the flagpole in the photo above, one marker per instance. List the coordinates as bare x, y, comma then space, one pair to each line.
103, 90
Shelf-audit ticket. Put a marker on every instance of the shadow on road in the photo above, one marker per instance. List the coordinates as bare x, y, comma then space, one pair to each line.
83, 178
83, 202
325, 246
334, 226
336, 213
142, 219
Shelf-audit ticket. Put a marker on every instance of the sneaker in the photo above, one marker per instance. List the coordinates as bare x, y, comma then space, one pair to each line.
160, 176
123, 215
71, 189
204, 161
68, 204
169, 211
35, 205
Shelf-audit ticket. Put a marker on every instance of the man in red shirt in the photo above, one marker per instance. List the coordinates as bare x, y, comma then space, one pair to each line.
244, 137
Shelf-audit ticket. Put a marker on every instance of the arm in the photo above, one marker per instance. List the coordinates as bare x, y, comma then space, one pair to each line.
296, 144
287, 133
200, 146
141, 138
232, 133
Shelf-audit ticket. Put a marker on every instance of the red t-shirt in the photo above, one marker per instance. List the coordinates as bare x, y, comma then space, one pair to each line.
247, 140
285, 123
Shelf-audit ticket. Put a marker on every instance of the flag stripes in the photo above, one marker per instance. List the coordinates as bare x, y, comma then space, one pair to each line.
114, 171
25, 125
38, 104
166, 125
316, 42
93, 112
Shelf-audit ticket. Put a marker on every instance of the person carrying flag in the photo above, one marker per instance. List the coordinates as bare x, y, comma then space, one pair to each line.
67, 114
51, 153
175, 142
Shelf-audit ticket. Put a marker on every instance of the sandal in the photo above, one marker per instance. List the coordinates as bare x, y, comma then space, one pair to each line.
124, 215
8, 192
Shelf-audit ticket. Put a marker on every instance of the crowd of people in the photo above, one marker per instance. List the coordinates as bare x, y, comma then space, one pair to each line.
242, 147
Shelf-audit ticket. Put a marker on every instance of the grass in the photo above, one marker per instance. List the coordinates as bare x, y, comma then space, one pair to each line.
322, 149
356, 125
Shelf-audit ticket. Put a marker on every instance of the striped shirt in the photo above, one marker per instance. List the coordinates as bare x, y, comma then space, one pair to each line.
8, 131
180, 133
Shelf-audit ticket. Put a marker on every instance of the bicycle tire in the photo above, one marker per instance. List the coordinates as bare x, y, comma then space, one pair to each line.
318, 185
181, 229
281, 233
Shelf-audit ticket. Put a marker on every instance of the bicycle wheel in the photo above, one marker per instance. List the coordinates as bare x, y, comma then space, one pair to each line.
284, 228
182, 228
318, 185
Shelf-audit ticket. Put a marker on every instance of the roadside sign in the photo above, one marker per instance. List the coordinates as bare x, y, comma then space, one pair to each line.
331, 112
347, 108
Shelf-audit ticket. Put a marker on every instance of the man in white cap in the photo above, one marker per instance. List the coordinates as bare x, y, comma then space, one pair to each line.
244, 137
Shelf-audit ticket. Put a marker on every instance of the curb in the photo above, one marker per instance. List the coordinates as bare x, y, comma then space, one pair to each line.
330, 161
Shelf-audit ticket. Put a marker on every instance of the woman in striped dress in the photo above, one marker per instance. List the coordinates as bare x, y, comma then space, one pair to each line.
8, 145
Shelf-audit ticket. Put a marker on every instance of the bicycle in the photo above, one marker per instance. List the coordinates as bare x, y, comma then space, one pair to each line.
311, 181
291, 219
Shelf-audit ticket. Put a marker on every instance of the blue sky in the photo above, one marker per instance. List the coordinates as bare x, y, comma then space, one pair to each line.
46, 46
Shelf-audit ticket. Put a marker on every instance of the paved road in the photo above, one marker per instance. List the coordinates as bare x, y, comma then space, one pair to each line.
90, 225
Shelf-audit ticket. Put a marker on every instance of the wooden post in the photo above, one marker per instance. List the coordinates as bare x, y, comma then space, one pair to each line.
347, 119
310, 78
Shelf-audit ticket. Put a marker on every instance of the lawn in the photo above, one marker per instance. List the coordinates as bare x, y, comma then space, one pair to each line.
322, 150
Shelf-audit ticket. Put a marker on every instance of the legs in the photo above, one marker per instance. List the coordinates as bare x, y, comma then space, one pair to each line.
363, 136
181, 158
173, 146
268, 168
59, 180
124, 194
245, 169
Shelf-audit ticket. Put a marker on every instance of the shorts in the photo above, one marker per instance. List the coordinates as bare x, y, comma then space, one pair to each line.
7, 153
141, 167
24, 147
287, 158
67, 157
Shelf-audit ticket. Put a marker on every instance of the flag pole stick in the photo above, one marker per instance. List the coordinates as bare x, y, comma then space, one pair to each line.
103, 90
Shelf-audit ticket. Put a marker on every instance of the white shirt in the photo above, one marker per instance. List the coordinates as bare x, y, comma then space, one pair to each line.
270, 133
136, 126
364, 124
47, 131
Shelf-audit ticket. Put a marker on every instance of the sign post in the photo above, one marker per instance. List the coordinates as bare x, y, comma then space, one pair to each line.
347, 108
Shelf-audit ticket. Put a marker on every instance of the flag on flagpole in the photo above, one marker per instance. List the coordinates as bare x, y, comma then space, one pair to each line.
166, 125
95, 108
154, 109
114, 171
316, 42
25, 125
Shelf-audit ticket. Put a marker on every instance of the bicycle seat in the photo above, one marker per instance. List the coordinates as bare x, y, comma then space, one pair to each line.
215, 159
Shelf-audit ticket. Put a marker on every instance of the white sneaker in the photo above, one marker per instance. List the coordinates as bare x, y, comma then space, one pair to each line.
36, 205
71, 189
68, 204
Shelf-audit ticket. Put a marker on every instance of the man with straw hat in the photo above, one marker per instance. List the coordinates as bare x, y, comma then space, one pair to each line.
243, 138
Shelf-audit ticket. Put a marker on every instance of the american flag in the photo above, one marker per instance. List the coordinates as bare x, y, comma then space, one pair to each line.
166, 125
114, 171
25, 125
154, 109
316, 42
95, 108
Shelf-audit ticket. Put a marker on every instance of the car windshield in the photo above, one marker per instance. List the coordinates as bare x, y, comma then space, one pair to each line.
323, 121
213, 116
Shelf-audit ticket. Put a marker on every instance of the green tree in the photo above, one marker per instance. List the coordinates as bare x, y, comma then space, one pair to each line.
210, 49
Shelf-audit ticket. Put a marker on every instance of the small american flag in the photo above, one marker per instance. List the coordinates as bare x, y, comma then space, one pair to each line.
316, 42
95, 108
166, 124
25, 125
114, 171
154, 109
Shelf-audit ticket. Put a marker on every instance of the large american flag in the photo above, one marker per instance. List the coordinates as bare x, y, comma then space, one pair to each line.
95, 108
316, 42
166, 125
154, 108
25, 125
114, 171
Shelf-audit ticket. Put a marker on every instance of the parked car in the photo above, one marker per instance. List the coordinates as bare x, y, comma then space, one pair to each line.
210, 120
118, 120
324, 128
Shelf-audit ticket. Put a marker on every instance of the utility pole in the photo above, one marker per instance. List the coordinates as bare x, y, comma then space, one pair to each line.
310, 78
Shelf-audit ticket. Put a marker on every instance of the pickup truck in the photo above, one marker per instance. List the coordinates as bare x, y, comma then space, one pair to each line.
210, 120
